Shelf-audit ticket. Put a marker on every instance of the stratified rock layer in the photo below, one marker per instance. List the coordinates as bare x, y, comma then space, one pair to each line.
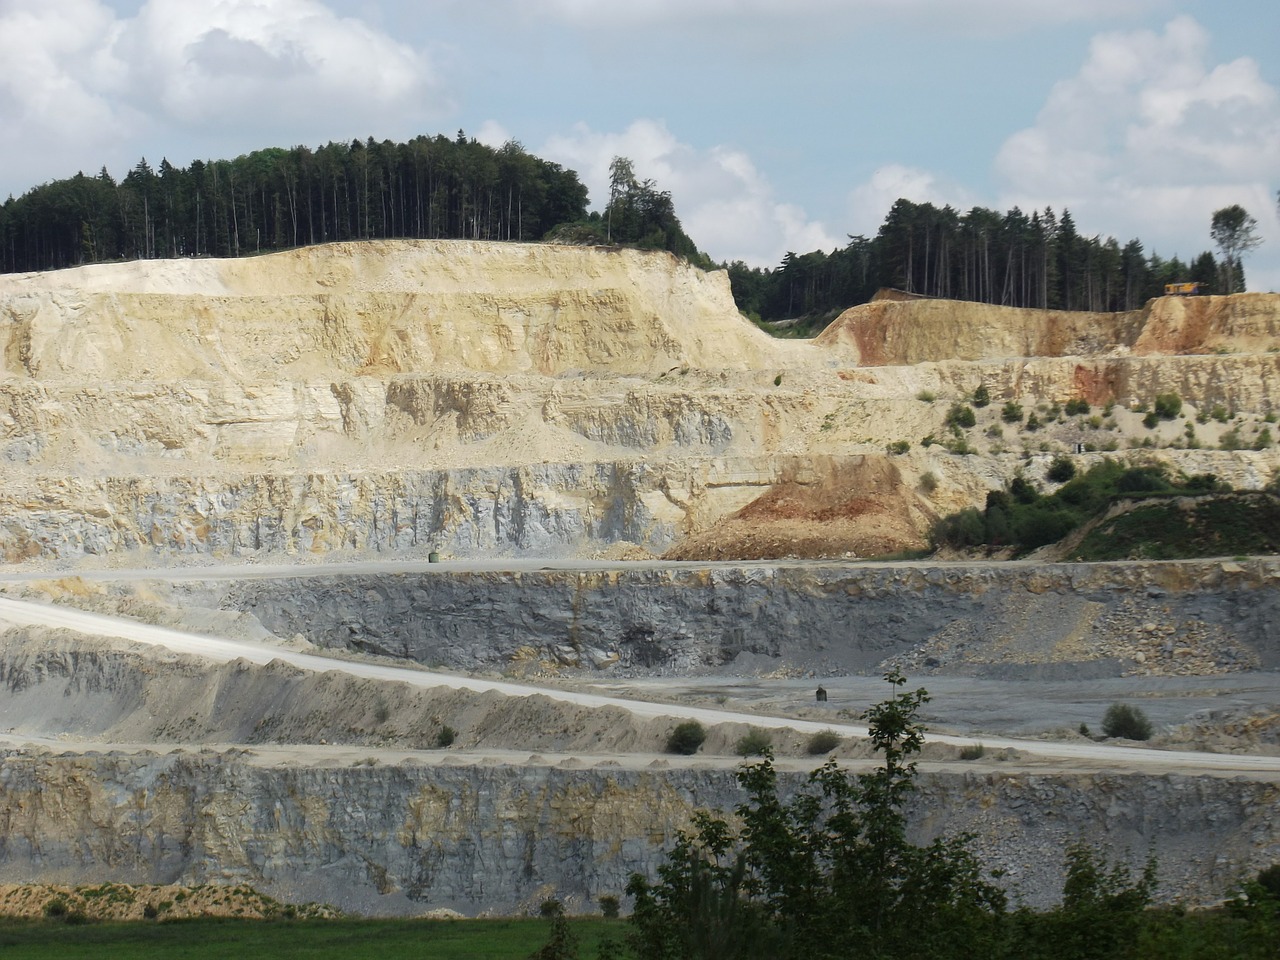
528, 400
410, 838
1012, 620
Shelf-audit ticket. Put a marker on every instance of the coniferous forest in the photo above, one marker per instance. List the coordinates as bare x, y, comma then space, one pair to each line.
457, 188
275, 199
1039, 260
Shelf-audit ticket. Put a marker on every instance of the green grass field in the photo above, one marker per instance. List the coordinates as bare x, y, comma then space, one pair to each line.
285, 940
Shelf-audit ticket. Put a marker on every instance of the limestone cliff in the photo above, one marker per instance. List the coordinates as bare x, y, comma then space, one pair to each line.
377, 308
482, 838
898, 333
998, 620
521, 399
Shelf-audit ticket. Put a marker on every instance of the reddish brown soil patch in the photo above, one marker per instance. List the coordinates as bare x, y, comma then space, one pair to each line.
858, 507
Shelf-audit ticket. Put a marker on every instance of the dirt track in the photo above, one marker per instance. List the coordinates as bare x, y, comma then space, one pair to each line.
1086, 753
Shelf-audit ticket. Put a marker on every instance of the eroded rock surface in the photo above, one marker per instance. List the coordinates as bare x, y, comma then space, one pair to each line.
486, 399
409, 838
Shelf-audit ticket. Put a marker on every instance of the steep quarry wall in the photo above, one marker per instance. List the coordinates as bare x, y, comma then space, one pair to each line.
527, 400
384, 307
407, 838
1001, 620
889, 333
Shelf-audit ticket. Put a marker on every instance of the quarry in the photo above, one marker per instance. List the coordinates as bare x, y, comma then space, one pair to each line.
270, 527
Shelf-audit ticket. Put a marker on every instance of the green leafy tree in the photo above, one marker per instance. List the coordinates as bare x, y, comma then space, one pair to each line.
562, 944
828, 872
1235, 233
1102, 913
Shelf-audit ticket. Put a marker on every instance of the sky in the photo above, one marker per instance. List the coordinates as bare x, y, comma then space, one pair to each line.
777, 125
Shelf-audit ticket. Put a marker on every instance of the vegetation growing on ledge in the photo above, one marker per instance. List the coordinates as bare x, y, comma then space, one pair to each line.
1163, 526
830, 873
1240, 524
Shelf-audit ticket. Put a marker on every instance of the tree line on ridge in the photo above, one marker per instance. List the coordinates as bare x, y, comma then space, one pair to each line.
443, 188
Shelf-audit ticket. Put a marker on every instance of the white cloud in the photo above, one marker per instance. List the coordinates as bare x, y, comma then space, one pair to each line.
1148, 138
725, 204
78, 80
234, 60
493, 134
941, 14
870, 201
58, 79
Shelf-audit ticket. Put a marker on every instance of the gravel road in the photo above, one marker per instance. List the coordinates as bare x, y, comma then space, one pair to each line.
24, 613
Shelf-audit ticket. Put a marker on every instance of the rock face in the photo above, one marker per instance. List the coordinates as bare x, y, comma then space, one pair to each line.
908, 332
487, 399
505, 400
1039, 621
410, 838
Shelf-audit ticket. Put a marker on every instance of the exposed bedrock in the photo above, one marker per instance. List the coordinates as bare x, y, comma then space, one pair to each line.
1004, 620
888, 332
540, 509
397, 839
196, 426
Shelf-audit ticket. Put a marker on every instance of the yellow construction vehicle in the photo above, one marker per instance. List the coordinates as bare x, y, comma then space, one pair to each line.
1182, 289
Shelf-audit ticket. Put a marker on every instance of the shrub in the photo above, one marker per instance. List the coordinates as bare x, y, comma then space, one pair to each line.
824, 741
927, 396
964, 528
446, 736
1022, 490
961, 415
609, 905
973, 751
1061, 470
1122, 720
1033, 422
1039, 525
1269, 881
1150, 420
1076, 407
981, 396
1220, 413
928, 481
754, 743
1167, 406
899, 447
1262, 440
550, 908
777, 381
1011, 412
1142, 480
686, 738
1231, 440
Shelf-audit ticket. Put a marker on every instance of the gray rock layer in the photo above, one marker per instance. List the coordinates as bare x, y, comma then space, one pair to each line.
499, 839
1040, 621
